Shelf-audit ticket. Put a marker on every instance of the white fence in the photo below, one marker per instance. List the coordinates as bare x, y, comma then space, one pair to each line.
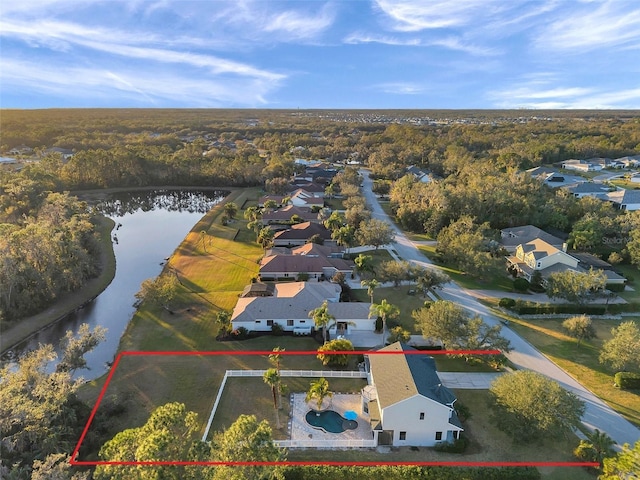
300, 373
283, 373
325, 443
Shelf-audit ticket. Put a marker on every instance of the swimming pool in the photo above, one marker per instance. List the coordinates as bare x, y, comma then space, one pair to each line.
330, 421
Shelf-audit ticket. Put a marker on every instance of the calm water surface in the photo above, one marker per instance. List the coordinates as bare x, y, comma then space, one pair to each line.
152, 225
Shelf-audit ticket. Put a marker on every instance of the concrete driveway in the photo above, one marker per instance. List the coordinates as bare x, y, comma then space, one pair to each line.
524, 356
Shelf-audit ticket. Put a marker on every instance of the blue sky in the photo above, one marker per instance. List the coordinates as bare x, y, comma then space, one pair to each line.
320, 54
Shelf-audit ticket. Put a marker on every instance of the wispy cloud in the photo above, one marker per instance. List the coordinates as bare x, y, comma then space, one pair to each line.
595, 26
400, 88
144, 87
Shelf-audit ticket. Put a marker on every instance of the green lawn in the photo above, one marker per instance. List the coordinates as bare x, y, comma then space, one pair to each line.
632, 274
581, 362
499, 282
398, 297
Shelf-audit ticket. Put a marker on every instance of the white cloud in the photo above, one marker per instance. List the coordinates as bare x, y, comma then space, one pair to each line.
415, 15
614, 23
400, 88
147, 87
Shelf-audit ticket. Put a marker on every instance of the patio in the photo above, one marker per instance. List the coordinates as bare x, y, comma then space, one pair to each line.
301, 431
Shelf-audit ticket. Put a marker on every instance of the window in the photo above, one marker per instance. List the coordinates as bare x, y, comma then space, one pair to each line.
289, 323
455, 434
258, 321
269, 323
303, 321
403, 435
421, 415
438, 435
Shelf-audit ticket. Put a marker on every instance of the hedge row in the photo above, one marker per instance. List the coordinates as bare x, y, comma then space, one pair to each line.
410, 473
627, 380
530, 308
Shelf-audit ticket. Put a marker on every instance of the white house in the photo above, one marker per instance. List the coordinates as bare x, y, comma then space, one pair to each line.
542, 256
625, 199
406, 401
290, 306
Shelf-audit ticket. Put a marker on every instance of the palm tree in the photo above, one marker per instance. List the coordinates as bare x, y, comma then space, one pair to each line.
319, 390
322, 318
265, 237
384, 309
334, 222
231, 209
371, 286
364, 263
429, 279
275, 359
602, 445
345, 236
272, 378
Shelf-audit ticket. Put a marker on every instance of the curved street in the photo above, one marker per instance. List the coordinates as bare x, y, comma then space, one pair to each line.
524, 356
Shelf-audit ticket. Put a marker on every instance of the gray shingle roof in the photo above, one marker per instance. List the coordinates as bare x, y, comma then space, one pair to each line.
398, 377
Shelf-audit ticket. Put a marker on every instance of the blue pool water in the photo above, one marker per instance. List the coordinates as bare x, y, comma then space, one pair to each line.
330, 421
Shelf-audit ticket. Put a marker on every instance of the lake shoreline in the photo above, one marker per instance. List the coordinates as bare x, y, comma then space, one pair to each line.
27, 327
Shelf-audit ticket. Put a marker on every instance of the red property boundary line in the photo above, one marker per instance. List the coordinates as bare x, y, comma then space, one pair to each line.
73, 461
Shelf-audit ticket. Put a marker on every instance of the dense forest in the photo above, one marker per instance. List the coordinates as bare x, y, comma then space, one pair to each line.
479, 158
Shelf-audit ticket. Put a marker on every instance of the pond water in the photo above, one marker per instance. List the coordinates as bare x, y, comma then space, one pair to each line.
151, 225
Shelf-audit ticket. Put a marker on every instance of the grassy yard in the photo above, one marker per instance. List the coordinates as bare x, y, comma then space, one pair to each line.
581, 362
632, 274
499, 282
398, 297
252, 396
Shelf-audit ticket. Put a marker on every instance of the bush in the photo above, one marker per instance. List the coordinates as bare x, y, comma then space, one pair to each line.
276, 329
627, 380
521, 284
458, 446
507, 302
240, 333
616, 287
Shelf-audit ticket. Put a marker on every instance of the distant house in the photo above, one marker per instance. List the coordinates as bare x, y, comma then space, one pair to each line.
588, 189
21, 150
314, 261
290, 306
538, 255
582, 165
514, 236
258, 289
315, 189
552, 178
624, 199
284, 215
406, 401
300, 234
635, 178
276, 198
65, 153
419, 174
302, 198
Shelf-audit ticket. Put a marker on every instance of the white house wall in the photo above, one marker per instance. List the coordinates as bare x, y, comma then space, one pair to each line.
404, 416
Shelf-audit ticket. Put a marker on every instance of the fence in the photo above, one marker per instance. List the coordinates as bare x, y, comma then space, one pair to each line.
300, 373
325, 443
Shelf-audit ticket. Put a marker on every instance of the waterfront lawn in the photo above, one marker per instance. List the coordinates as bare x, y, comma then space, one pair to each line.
581, 362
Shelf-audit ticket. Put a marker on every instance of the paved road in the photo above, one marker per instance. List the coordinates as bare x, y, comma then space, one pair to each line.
597, 414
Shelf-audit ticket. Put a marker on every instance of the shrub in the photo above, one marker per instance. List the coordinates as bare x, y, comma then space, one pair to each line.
507, 302
616, 287
276, 329
521, 284
458, 446
240, 333
627, 380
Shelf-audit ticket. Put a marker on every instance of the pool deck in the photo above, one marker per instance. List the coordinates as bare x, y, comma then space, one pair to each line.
299, 429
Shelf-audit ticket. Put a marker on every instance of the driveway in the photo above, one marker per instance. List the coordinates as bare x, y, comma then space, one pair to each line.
524, 356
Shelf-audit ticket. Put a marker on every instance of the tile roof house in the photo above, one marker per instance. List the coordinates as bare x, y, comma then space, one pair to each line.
300, 233
514, 236
406, 401
315, 261
291, 304
284, 215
